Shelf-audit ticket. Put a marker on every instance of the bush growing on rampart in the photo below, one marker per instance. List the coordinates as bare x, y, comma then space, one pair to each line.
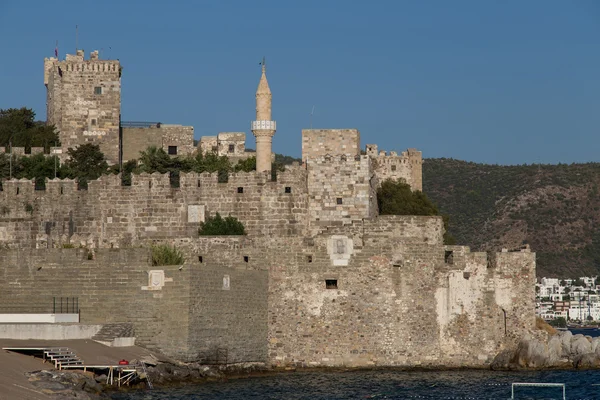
163, 254
217, 225
395, 197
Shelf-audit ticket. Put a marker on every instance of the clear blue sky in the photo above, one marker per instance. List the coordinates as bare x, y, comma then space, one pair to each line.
506, 82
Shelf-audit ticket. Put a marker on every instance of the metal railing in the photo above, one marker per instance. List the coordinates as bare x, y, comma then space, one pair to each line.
530, 384
48, 305
65, 305
140, 124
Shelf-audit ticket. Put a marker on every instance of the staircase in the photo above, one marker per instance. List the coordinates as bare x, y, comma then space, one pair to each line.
62, 356
116, 335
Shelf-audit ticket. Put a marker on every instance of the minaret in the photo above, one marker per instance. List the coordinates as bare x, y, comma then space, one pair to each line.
263, 128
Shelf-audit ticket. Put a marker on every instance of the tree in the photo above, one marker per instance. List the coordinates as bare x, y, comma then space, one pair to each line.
395, 197
247, 165
19, 128
218, 225
85, 163
154, 159
38, 167
559, 322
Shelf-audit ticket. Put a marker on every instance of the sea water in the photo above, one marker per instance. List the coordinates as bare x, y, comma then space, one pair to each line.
388, 384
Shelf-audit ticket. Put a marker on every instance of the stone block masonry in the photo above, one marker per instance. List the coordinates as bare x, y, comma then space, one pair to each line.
317, 143
84, 101
190, 317
175, 140
109, 215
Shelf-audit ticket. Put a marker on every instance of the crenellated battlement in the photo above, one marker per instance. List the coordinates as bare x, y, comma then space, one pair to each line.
390, 165
21, 151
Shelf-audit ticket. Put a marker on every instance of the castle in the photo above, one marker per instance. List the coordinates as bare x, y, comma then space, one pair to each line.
320, 279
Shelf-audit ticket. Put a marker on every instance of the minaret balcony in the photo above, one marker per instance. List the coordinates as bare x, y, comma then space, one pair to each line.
266, 125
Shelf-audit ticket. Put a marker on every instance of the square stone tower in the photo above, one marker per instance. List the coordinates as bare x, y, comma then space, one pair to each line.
84, 101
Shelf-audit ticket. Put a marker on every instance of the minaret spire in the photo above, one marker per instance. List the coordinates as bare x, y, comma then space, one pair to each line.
263, 127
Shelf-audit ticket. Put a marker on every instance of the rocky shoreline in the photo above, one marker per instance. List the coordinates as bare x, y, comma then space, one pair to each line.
560, 350
81, 385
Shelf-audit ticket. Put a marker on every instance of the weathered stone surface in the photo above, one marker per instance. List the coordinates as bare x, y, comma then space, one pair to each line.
587, 360
580, 345
531, 354
565, 338
84, 101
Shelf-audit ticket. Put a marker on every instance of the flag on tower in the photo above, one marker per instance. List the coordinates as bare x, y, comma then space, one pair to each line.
56, 50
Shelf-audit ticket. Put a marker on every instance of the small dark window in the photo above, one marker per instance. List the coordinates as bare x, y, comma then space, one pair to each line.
61, 190
246, 258
449, 257
97, 90
338, 200
393, 167
172, 150
17, 190
200, 260
240, 190
231, 148
309, 259
331, 284
93, 121
466, 275
288, 189
198, 182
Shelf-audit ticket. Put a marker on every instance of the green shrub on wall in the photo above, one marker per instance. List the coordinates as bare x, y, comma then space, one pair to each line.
217, 225
163, 254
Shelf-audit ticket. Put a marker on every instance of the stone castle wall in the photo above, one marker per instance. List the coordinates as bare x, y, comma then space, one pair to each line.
138, 139
190, 317
341, 189
400, 296
396, 300
111, 215
317, 143
84, 101
407, 166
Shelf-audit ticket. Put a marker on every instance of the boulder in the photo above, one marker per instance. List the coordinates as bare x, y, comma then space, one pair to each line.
565, 337
595, 342
588, 360
580, 345
502, 360
554, 351
531, 354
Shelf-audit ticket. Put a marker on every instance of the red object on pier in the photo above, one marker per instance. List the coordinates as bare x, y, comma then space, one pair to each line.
123, 362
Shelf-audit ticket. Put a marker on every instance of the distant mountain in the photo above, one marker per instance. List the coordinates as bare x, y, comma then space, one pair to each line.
553, 208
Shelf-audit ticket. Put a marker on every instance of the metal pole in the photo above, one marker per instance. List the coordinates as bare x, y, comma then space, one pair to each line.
10, 159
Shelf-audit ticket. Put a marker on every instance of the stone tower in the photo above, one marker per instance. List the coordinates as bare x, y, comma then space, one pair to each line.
263, 128
84, 101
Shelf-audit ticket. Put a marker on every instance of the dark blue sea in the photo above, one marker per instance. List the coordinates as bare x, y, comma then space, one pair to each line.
387, 384
390, 384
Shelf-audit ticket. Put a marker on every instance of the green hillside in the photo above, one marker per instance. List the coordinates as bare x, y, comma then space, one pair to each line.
553, 208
